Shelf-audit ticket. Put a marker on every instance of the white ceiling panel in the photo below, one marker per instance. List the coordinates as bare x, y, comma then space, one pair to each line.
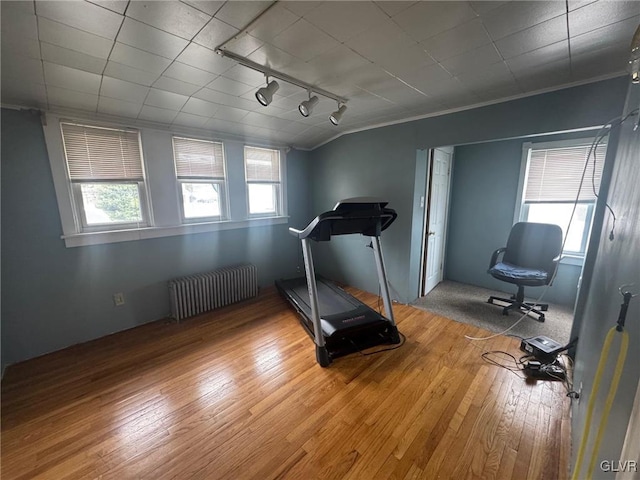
120, 108
81, 15
155, 114
118, 6
73, 39
215, 33
426, 19
603, 37
245, 75
239, 14
18, 22
205, 59
189, 74
392, 8
545, 33
343, 20
16, 69
18, 6
544, 76
173, 17
230, 114
551, 53
473, 60
515, 16
335, 63
190, 120
600, 62
301, 7
130, 74
244, 45
163, 99
25, 47
19, 92
150, 39
71, 78
209, 7
200, 107
273, 57
482, 7
458, 40
232, 87
62, 97
430, 80
73, 59
121, 90
136, 58
304, 40
600, 14
274, 21
176, 86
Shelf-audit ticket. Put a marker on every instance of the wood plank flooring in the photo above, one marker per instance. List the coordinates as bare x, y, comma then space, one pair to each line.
237, 394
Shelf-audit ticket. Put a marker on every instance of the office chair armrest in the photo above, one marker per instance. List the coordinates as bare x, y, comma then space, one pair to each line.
494, 257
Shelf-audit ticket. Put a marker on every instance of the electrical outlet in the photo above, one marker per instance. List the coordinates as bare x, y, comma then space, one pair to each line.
118, 299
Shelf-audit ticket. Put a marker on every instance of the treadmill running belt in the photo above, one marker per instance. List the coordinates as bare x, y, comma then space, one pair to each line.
328, 302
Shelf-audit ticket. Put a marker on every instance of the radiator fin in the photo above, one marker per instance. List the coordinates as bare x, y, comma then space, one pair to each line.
196, 294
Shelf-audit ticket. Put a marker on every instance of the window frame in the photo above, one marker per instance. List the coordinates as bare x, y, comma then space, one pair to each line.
223, 182
278, 184
522, 207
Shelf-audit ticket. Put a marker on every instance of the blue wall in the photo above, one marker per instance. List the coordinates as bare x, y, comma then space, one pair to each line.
53, 296
382, 162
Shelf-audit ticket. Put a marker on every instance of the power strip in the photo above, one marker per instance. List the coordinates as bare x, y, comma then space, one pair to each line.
538, 371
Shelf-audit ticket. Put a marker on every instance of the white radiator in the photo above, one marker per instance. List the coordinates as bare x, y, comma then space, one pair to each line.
195, 294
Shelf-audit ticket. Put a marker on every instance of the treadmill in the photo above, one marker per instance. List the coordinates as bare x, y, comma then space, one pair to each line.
339, 323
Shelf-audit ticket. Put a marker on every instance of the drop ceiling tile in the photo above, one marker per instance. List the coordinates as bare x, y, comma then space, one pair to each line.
573, 4
496, 76
541, 56
189, 120
500, 92
205, 59
130, 74
425, 19
81, 15
301, 8
457, 40
150, 39
274, 21
473, 60
71, 78
176, 86
164, 99
600, 14
343, 20
266, 121
215, 33
220, 125
70, 58
337, 62
394, 7
16, 69
173, 17
226, 85
228, 100
136, 58
121, 90
72, 99
18, 23
430, 80
155, 114
118, 6
545, 33
544, 76
396, 91
244, 45
245, 75
240, 14
11, 7
304, 40
189, 74
371, 41
120, 108
272, 57
209, 7
603, 37
483, 7
23, 93
230, 114
73, 39
518, 15
605, 61
200, 107
25, 47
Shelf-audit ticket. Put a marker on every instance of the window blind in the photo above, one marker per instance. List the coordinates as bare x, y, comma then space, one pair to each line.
262, 165
198, 158
554, 174
95, 153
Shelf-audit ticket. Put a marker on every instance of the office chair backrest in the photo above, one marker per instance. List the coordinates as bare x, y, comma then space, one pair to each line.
534, 245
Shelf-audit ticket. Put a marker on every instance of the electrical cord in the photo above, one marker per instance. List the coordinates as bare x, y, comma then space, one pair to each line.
403, 340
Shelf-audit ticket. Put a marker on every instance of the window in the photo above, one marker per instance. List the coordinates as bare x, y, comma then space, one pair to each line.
552, 179
104, 166
201, 178
262, 172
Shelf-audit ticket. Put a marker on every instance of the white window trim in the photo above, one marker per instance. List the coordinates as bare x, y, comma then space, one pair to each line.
282, 204
567, 259
72, 224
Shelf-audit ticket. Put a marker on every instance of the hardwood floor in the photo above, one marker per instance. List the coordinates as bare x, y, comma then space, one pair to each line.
237, 394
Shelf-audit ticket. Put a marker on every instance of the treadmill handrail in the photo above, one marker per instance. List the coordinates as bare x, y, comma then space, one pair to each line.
386, 217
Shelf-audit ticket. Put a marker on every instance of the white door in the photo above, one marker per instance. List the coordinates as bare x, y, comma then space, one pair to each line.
438, 193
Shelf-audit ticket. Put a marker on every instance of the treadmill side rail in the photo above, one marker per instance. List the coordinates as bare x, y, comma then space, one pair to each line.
313, 292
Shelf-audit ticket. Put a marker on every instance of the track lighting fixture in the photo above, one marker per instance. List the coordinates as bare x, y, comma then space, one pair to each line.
265, 94
306, 107
336, 116
634, 60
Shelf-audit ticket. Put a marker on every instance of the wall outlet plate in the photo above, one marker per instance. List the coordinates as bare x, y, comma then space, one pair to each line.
118, 299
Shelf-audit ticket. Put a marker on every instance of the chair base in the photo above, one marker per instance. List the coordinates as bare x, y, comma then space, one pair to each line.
516, 302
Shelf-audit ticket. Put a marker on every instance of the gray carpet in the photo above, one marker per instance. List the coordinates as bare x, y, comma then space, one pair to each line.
468, 304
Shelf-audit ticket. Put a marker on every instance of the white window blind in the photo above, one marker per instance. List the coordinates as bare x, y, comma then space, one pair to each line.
95, 153
198, 158
554, 174
262, 165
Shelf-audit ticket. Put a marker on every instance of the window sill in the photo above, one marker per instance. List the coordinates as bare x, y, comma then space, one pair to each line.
572, 260
115, 236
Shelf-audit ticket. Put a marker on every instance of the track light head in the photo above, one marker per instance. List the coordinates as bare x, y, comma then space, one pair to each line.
336, 116
634, 60
306, 107
265, 94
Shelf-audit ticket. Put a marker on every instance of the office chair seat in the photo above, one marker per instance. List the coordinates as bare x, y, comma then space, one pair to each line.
520, 276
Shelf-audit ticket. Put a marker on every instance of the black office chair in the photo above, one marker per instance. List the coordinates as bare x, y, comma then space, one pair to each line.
530, 260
